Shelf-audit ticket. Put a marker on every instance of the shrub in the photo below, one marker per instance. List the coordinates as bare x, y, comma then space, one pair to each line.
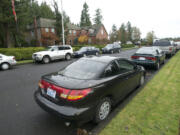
21, 53
127, 45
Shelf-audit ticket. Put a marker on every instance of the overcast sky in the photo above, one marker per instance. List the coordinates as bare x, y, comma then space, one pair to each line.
161, 16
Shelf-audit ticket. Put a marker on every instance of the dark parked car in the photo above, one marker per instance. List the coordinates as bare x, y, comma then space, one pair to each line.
112, 48
85, 51
149, 56
88, 88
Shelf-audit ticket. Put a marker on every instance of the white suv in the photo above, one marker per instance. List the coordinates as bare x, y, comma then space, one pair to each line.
53, 53
6, 61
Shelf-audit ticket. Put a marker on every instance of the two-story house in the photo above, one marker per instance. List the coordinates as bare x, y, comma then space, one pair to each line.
95, 34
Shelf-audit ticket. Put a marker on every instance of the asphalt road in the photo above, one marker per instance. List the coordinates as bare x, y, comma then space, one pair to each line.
19, 114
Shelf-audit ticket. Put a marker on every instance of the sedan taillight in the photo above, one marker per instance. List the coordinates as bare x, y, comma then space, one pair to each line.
151, 58
70, 95
78, 94
134, 57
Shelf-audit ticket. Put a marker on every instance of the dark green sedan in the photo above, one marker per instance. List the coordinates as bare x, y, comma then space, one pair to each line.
149, 57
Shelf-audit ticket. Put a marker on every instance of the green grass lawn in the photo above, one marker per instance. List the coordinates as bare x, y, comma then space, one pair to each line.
24, 62
155, 110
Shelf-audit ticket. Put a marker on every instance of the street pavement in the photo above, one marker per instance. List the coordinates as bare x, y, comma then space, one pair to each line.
19, 114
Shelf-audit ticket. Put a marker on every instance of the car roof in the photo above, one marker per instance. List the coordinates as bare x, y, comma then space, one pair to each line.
150, 47
104, 59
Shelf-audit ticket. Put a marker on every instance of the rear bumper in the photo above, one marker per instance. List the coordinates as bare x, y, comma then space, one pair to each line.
145, 63
67, 113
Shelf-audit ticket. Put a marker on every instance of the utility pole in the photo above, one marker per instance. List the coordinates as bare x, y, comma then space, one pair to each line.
62, 22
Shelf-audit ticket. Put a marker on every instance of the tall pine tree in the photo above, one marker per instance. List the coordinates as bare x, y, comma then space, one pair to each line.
98, 17
85, 17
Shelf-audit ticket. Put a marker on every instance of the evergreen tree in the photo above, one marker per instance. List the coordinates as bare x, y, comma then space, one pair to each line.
129, 31
85, 17
122, 35
98, 17
113, 34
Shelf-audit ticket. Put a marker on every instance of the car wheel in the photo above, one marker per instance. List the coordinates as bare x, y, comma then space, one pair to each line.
68, 56
163, 61
119, 51
84, 55
112, 52
141, 80
157, 66
97, 53
103, 110
46, 59
5, 66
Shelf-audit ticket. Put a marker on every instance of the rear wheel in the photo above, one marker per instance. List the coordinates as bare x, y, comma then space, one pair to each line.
103, 110
68, 56
141, 82
5, 66
157, 66
46, 59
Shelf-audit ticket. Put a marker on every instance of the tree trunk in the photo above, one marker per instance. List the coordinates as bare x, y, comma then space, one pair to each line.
7, 36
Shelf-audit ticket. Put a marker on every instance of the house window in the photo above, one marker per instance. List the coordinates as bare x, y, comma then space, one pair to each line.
32, 33
89, 41
102, 32
70, 31
91, 31
53, 30
47, 29
74, 32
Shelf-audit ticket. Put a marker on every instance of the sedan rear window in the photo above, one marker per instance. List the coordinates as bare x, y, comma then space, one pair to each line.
83, 69
162, 43
147, 50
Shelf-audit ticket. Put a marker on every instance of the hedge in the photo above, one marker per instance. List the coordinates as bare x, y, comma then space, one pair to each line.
21, 53
26, 53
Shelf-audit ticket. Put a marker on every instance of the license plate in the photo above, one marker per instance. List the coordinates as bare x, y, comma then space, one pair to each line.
51, 93
142, 58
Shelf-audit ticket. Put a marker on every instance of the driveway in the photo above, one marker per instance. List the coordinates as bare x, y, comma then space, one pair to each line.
19, 114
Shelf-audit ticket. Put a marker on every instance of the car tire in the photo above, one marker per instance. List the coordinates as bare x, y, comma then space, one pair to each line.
112, 52
103, 110
142, 80
46, 59
97, 53
68, 57
157, 66
5, 66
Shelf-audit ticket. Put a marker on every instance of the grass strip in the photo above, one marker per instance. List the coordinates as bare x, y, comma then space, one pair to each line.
155, 110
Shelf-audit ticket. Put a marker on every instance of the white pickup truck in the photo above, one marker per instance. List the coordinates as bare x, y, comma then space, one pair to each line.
53, 53
6, 61
166, 47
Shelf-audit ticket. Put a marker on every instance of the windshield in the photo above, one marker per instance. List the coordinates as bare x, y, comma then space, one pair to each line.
83, 49
83, 69
48, 49
109, 46
162, 43
146, 51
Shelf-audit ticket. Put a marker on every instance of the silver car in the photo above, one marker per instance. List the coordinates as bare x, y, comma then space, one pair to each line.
166, 46
6, 61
